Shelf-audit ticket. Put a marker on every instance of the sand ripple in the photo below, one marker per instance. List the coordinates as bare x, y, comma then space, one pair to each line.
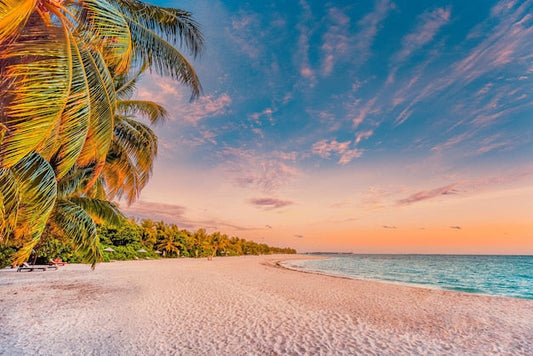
245, 306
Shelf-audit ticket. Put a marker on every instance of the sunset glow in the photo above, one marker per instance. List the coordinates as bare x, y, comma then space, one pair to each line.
375, 127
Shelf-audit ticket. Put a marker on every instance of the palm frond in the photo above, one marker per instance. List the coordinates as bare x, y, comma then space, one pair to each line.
99, 209
110, 26
74, 124
125, 84
39, 73
174, 24
37, 196
130, 159
102, 99
13, 16
165, 58
9, 202
144, 108
78, 225
121, 175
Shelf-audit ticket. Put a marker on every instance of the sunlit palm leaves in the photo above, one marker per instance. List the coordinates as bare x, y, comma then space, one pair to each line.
68, 139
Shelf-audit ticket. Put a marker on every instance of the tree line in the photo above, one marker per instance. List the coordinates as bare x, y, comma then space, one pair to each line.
149, 239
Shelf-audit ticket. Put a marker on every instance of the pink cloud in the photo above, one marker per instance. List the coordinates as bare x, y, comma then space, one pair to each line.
248, 169
428, 194
325, 149
360, 114
204, 107
429, 25
335, 40
270, 203
369, 27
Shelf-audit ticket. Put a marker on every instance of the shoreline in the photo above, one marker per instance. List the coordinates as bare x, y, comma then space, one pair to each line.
243, 305
398, 283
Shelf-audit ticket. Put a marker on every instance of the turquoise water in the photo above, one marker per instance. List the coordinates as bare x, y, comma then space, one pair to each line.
508, 276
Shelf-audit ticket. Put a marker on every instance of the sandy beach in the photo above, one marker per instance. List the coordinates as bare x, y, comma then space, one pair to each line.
245, 306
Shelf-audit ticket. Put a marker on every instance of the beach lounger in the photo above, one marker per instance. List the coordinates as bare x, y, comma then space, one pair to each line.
27, 267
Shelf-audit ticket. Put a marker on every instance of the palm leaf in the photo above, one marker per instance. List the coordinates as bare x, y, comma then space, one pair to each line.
102, 99
37, 195
109, 25
174, 24
13, 16
39, 74
99, 209
144, 108
165, 58
9, 203
72, 131
80, 228
130, 160
125, 84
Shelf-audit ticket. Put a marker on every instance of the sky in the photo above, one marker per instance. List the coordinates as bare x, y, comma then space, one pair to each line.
359, 126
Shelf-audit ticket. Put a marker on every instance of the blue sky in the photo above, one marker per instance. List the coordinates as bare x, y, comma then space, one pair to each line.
320, 121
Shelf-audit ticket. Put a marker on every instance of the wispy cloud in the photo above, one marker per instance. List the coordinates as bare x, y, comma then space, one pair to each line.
428, 194
456, 227
358, 113
270, 203
346, 154
389, 227
302, 54
335, 40
249, 169
429, 24
267, 113
243, 32
369, 27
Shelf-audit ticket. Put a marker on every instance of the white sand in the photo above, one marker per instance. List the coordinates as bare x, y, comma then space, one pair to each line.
245, 305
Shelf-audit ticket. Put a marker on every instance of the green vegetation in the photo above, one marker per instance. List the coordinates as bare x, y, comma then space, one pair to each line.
149, 239
70, 138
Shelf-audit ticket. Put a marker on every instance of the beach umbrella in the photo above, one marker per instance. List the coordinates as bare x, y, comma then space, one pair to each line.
109, 249
142, 250
158, 252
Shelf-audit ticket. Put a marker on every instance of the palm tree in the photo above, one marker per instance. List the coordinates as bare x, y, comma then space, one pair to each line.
58, 60
217, 242
169, 240
61, 111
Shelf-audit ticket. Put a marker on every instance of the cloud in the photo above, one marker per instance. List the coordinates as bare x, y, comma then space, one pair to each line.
455, 227
359, 114
369, 27
243, 32
430, 23
299, 236
265, 172
428, 194
302, 53
268, 226
325, 149
389, 227
335, 40
204, 107
267, 113
270, 203
363, 135
155, 211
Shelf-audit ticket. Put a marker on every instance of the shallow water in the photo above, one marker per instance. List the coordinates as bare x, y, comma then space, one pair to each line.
508, 276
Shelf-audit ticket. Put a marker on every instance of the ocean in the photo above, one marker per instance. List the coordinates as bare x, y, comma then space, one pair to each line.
507, 276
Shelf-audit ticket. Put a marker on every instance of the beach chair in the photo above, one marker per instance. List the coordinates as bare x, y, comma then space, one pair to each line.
29, 268
56, 262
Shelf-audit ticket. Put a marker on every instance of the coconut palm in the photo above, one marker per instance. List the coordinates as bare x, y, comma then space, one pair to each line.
58, 60
60, 110
169, 239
